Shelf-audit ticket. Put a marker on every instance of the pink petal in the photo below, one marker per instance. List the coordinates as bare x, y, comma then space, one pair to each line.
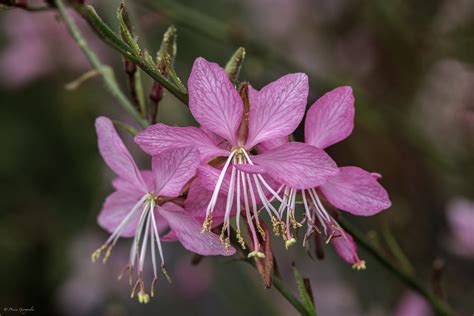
197, 201
213, 100
356, 191
208, 175
346, 248
188, 232
160, 137
173, 168
252, 169
272, 143
277, 109
116, 154
123, 185
116, 207
331, 118
297, 165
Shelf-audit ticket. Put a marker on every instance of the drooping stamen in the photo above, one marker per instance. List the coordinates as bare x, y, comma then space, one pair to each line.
207, 225
112, 240
256, 244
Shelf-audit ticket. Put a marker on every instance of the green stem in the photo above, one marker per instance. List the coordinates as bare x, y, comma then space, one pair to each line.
438, 305
280, 286
105, 71
110, 38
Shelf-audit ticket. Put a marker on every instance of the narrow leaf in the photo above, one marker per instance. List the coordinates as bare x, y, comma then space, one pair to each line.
306, 298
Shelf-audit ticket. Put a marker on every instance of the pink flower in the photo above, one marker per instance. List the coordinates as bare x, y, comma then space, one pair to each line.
461, 220
330, 120
412, 304
229, 130
142, 205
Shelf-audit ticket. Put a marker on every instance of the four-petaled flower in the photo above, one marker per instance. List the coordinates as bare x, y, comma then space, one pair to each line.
145, 205
233, 126
328, 121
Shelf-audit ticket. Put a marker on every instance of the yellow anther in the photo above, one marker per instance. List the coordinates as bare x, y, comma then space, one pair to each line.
207, 225
261, 231
290, 242
294, 223
227, 245
257, 254
275, 224
143, 297
222, 236
107, 254
165, 273
360, 265
96, 254
240, 240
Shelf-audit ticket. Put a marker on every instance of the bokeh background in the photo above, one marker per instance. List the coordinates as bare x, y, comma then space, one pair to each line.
411, 66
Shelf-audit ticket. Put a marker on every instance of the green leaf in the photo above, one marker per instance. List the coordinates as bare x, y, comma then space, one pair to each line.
304, 295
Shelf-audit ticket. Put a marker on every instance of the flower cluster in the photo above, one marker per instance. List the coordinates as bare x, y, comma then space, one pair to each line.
237, 166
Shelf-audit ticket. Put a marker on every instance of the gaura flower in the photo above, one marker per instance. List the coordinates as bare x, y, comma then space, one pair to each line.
232, 126
330, 120
144, 205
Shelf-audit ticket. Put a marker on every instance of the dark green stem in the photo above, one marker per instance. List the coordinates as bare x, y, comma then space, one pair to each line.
440, 307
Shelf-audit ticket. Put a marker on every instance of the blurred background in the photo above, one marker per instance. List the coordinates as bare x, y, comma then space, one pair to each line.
411, 66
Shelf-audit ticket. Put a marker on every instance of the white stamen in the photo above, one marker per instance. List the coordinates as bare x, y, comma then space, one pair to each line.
146, 236
136, 239
215, 194
121, 227
247, 211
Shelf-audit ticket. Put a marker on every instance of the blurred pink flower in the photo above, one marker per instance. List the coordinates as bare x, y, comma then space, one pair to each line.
412, 304
461, 220
37, 44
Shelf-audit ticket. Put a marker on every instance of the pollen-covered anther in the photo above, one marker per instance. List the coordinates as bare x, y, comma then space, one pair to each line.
290, 242
96, 254
294, 223
257, 254
207, 225
222, 236
261, 231
107, 254
359, 265
240, 240
283, 230
276, 226
227, 245
165, 273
